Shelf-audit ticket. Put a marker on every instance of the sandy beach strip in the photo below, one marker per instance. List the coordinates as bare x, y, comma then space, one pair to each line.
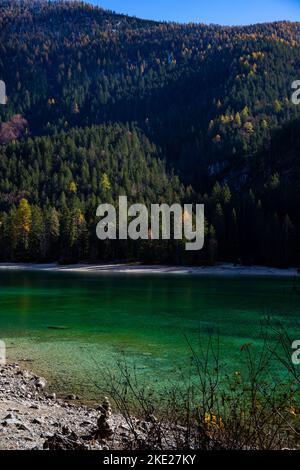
219, 270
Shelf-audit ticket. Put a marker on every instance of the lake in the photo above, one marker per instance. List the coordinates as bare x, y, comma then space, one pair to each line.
73, 328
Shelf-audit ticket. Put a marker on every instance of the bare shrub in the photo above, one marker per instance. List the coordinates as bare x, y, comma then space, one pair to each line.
209, 407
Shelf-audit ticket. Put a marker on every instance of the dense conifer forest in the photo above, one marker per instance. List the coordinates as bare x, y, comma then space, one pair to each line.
101, 105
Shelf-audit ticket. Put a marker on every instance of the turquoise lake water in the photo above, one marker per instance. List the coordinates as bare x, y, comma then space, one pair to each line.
73, 327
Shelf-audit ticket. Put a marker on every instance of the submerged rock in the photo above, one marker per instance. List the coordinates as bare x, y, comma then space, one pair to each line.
57, 327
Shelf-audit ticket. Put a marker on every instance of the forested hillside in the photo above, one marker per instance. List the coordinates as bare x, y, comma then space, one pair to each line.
111, 104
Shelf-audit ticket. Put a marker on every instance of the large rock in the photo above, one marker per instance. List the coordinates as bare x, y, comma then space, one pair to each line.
62, 442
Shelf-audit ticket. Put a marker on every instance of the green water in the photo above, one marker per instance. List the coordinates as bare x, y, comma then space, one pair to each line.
143, 318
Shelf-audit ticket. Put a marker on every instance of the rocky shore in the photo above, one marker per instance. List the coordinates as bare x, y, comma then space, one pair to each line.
31, 418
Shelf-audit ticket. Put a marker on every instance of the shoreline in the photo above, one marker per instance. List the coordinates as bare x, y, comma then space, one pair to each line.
32, 418
135, 268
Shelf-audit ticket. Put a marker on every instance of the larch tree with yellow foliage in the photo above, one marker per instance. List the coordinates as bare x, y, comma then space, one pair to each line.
22, 224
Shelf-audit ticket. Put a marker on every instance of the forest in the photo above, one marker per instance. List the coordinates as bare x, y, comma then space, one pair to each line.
102, 105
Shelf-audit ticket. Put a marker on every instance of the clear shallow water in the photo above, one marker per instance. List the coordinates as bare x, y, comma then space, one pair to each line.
142, 317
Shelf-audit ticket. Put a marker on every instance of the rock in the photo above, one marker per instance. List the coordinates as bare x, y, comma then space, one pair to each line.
85, 424
97, 447
10, 416
51, 396
34, 407
24, 373
55, 424
57, 327
40, 383
66, 430
104, 428
71, 397
36, 421
22, 427
61, 442
152, 419
11, 420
